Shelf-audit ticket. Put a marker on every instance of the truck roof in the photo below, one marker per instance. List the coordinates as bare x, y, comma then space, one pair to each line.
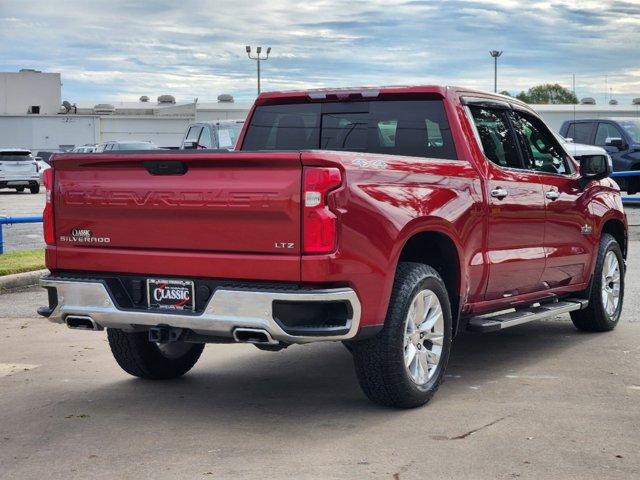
346, 93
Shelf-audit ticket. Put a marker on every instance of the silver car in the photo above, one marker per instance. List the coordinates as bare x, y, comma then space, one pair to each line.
19, 170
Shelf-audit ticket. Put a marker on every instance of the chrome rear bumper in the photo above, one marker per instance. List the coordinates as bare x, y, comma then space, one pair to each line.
226, 310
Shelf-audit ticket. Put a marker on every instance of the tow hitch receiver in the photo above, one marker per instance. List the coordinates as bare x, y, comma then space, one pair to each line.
163, 334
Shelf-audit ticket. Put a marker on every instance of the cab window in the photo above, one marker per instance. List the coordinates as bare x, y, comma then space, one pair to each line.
496, 137
540, 149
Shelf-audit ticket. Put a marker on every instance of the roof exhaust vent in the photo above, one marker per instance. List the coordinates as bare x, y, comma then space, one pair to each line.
635, 101
166, 99
144, 99
225, 98
588, 101
613, 101
104, 109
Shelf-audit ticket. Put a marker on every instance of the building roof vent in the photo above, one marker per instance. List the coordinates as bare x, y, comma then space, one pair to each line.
635, 101
225, 98
144, 99
613, 101
166, 99
29, 70
104, 109
588, 101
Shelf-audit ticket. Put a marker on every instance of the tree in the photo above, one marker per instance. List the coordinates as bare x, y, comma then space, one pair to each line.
504, 92
549, 93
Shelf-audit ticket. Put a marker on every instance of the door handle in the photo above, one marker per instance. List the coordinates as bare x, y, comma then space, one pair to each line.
552, 195
499, 193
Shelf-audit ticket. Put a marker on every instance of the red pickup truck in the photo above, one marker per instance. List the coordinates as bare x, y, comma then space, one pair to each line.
388, 219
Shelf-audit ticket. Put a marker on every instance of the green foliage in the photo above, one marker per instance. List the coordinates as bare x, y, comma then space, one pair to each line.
504, 92
548, 93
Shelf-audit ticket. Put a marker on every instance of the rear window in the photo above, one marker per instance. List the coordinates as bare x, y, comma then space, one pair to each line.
395, 127
580, 132
15, 156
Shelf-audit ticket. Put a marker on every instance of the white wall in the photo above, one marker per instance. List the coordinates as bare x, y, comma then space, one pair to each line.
163, 131
48, 133
21, 90
556, 115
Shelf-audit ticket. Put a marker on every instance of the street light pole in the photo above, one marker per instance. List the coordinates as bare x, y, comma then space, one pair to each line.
495, 54
258, 58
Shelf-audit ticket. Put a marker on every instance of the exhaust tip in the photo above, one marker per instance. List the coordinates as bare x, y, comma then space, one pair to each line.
256, 336
79, 322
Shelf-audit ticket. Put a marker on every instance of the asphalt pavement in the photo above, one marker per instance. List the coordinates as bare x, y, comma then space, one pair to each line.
538, 401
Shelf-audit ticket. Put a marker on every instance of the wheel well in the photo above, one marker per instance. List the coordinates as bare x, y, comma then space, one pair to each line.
615, 228
438, 251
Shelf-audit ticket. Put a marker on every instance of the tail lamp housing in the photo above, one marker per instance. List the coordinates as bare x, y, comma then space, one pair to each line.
319, 223
47, 214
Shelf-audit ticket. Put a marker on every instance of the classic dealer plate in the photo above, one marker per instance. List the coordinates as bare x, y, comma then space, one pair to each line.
170, 294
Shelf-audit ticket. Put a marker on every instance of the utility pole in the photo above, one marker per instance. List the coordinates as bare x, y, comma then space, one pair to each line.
258, 58
495, 54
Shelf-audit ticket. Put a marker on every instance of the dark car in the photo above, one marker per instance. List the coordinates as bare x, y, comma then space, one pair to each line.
215, 135
620, 137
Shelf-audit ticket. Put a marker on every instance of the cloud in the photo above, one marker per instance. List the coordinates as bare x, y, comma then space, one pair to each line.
121, 49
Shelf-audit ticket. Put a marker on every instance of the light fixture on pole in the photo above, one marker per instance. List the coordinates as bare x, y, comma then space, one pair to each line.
495, 54
258, 58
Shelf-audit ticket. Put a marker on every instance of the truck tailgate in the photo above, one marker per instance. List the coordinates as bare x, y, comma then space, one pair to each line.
222, 203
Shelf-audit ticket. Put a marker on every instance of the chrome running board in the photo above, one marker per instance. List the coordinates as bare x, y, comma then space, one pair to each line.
501, 321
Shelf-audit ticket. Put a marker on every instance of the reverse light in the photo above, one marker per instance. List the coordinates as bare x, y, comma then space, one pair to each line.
47, 214
319, 223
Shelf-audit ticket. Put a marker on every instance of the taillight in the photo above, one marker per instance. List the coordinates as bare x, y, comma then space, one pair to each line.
319, 223
47, 214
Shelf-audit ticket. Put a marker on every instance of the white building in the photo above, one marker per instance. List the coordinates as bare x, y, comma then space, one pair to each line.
54, 128
32, 115
30, 92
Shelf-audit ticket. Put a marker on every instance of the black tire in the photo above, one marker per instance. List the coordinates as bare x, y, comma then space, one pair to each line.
594, 318
19, 189
379, 361
139, 357
34, 188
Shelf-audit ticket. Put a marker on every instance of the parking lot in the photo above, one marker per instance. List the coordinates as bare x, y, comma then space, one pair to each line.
536, 401
26, 235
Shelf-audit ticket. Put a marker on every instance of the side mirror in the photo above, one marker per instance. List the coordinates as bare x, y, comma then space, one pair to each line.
190, 145
616, 142
594, 167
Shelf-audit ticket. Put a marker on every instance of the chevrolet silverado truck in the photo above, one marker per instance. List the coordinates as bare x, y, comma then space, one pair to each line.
389, 219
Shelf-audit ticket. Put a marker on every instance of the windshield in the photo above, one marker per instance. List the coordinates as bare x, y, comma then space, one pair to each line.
394, 127
632, 127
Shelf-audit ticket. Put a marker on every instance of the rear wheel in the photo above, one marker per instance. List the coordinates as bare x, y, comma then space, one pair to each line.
404, 364
34, 188
139, 357
20, 189
607, 291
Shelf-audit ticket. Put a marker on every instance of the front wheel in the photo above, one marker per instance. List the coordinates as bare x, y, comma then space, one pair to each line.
139, 357
34, 188
404, 364
607, 290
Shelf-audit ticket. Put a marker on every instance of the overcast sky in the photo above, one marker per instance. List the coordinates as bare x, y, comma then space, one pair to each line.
121, 49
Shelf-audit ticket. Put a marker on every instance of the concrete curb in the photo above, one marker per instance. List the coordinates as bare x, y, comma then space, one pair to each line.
18, 280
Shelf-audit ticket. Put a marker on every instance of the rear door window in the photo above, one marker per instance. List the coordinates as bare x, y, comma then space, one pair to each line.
580, 132
395, 127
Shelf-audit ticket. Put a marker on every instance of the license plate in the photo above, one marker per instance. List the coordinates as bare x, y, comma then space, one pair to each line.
170, 294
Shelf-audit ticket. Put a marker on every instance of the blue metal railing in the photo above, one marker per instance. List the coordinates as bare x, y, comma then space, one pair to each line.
13, 220
38, 218
628, 173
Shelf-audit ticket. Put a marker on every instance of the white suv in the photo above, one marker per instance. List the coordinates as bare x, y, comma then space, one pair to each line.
19, 170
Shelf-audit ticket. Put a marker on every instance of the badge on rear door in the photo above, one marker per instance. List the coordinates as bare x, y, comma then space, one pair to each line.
170, 294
